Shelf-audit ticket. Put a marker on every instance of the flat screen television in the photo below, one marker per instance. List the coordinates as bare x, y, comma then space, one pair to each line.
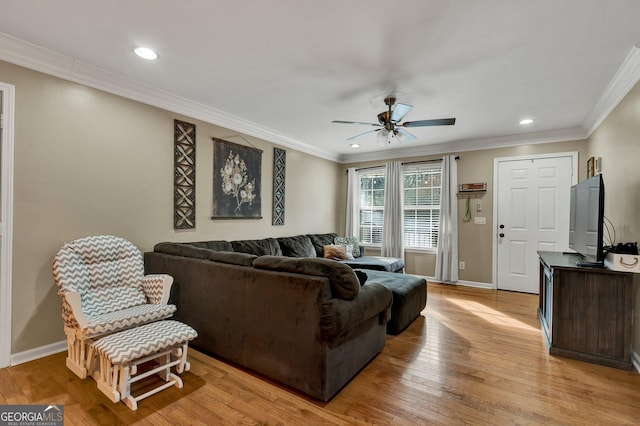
586, 221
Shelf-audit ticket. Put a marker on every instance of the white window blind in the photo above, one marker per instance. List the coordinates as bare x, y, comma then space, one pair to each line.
422, 185
371, 205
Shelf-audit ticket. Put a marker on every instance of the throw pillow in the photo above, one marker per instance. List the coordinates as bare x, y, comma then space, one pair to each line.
353, 241
350, 252
335, 252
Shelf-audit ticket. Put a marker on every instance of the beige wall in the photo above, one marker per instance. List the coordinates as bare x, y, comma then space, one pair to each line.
617, 142
474, 241
87, 162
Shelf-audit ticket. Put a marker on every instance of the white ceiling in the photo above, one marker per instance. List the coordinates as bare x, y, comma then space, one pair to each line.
283, 69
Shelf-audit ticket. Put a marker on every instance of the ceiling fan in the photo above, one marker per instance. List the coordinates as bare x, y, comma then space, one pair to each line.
389, 126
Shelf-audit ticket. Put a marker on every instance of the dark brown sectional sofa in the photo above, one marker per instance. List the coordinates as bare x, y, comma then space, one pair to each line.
305, 321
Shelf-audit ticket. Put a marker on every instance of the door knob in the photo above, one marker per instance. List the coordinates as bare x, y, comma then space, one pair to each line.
501, 235
501, 226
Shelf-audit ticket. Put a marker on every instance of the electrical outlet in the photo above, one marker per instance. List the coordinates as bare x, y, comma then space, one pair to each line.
461, 266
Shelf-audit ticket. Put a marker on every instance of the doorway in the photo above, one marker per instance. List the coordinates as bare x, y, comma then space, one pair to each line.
531, 213
7, 96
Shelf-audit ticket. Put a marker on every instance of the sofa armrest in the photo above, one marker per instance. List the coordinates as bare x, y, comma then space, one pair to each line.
157, 288
74, 300
339, 315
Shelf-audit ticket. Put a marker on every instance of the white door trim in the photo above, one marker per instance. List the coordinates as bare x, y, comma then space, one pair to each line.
496, 162
6, 221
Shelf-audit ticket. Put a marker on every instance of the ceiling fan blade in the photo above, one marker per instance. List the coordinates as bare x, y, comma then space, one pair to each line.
356, 122
408, 137
399, 111
435, 122
363, 134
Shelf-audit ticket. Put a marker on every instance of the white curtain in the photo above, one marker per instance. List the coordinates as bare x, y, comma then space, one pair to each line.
393, 224
353, 194
447, 257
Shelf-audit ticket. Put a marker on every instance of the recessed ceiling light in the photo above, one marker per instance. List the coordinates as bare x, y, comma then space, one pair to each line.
146, 53
355, 145
526, 121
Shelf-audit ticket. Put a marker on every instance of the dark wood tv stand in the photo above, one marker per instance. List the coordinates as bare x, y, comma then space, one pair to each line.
586, 313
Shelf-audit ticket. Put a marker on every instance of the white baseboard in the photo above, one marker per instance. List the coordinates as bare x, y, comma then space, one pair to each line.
487, 286
635, 360
42, 351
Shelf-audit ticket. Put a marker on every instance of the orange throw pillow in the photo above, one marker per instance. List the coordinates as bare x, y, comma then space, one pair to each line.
335, 252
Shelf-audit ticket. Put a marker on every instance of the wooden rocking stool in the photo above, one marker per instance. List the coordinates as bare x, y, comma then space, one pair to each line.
165, 342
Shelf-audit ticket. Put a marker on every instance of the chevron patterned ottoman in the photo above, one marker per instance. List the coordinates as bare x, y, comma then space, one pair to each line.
165, 342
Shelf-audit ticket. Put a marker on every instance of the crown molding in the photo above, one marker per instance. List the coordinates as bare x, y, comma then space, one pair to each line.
622, 82
462, 145
28, 55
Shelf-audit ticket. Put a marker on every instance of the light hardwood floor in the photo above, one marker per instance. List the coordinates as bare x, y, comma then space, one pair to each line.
473, 357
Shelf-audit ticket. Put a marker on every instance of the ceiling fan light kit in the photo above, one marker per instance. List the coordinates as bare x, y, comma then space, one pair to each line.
389, 129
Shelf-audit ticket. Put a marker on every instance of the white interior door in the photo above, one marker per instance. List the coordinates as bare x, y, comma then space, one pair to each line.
532, 214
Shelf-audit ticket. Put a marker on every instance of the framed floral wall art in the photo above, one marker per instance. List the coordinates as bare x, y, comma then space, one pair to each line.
237, 179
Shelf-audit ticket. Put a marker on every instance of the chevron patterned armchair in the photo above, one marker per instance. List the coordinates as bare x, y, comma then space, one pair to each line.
104, 290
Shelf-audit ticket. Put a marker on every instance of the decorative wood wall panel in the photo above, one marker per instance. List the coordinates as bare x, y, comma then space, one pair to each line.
279, 178
184, 187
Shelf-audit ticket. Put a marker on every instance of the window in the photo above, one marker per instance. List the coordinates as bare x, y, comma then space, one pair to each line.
422, 185
371, 206
422, 206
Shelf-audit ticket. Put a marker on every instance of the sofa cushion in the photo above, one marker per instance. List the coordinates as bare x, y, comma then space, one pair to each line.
182, 249
298, 246
264, 247
321, 240
377, 263
352, 241
217, 245
232, 258
342, 279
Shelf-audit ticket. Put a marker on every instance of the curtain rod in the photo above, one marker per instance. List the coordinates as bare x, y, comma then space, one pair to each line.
427, 161
409, 162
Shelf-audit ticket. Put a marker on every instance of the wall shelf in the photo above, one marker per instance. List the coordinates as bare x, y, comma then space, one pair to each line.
465, 188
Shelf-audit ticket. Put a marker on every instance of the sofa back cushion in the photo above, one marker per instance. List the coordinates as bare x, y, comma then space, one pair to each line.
217, 245
342, 279
265, 247
232, 258
182, 249
298, 246
321, 240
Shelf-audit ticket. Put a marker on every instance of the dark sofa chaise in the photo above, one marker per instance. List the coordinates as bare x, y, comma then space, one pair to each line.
305, 322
